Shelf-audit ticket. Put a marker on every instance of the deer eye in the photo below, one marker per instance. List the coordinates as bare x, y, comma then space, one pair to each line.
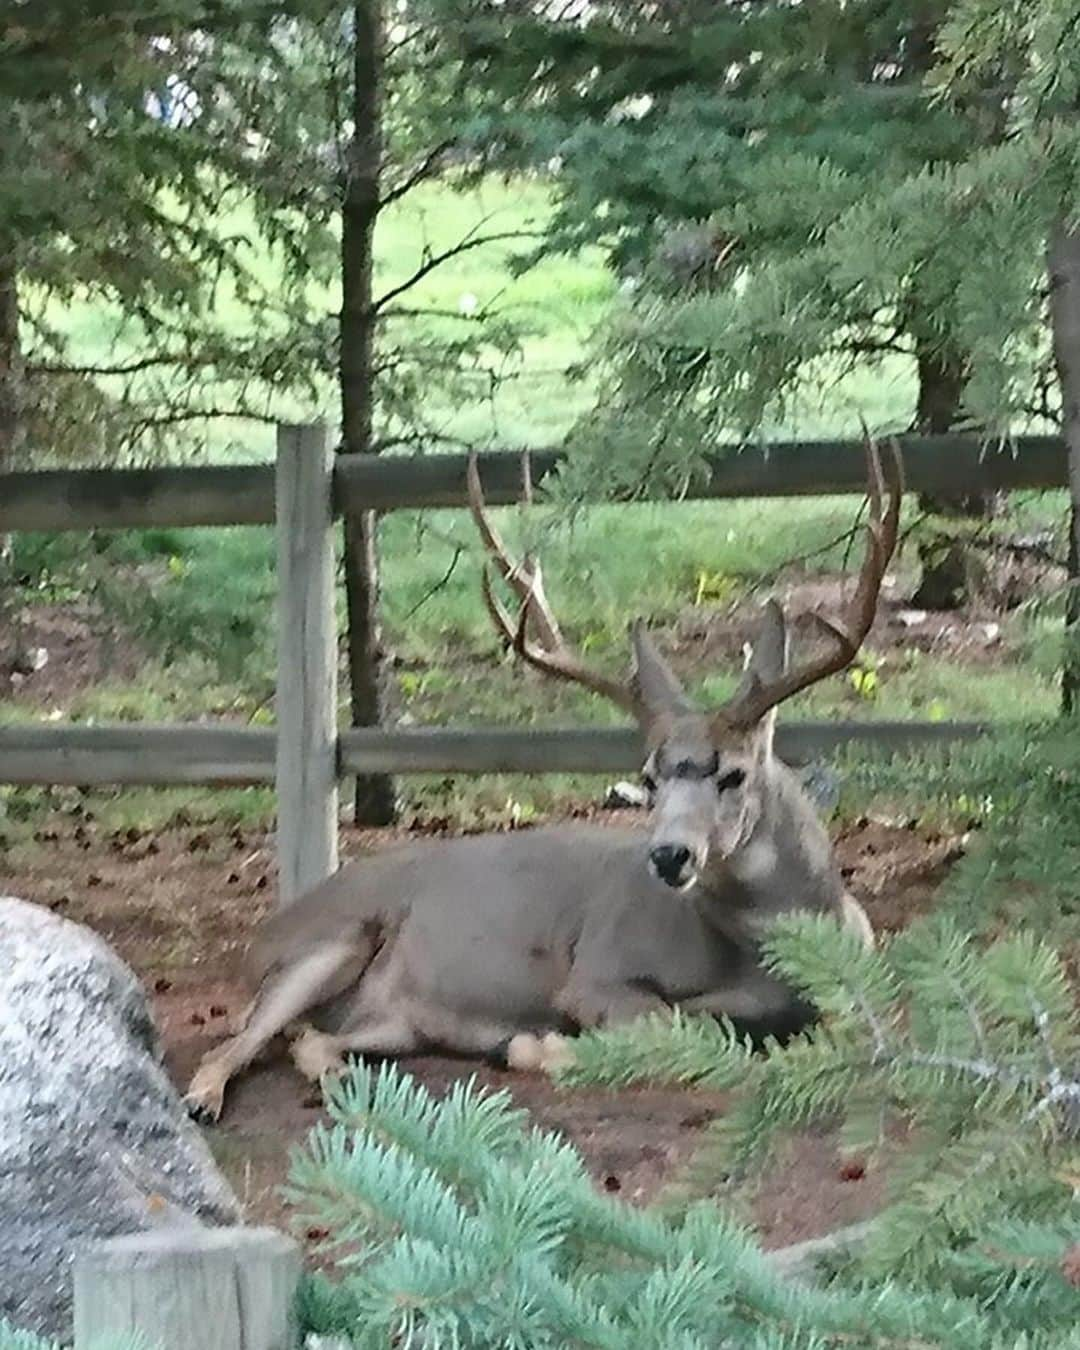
733, 779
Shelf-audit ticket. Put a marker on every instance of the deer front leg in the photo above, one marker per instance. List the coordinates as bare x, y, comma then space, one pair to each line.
759, 1006
608, 1003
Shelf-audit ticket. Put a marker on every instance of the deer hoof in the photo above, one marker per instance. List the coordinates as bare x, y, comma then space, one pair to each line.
538, 1054
315, 1054
556, 1052
523, 1053
205, 1096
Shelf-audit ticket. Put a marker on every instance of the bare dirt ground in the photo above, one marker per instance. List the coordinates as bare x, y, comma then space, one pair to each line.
976, 635
180, 903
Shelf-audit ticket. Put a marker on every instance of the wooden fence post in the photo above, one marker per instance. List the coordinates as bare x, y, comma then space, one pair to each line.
306, 773
189, 1289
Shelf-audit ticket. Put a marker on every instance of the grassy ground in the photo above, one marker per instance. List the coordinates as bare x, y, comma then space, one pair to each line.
197, 604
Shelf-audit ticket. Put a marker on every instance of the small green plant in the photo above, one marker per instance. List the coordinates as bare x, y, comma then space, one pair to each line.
863, 678
715, 588
412, 683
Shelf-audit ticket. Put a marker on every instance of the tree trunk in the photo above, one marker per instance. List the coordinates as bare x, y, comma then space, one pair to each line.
941, 376
11, 442
11, 361
375, 799
1063, 264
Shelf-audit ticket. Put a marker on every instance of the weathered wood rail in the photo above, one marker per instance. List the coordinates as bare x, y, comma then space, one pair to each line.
104, 499
150, 755
305, 755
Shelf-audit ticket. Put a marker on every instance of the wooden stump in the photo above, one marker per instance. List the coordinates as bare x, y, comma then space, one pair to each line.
189, 1289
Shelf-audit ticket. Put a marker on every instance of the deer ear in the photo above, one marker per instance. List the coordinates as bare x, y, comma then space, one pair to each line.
766, 663
658, 688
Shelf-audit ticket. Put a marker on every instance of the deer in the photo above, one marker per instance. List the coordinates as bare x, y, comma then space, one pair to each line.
503, 946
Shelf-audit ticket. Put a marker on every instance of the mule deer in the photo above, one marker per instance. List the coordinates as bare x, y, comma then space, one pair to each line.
498, 945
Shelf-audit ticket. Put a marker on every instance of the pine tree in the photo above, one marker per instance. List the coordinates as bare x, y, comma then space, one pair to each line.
125, 132
1029, 52
372, 115
788, 199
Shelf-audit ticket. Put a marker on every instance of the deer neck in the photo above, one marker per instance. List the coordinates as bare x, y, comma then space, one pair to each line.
785, 863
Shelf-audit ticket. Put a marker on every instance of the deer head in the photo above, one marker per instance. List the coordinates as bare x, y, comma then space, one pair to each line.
710, 774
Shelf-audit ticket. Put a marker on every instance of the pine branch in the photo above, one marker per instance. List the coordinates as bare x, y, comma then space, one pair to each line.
456, 314
418, 174
180, 416
13, 1339
123, 368
436, 260
436, 586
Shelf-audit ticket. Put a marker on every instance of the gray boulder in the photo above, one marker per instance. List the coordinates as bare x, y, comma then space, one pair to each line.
94, 1141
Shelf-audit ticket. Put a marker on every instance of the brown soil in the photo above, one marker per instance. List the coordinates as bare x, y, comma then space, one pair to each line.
78, 646
713, 636
179, 905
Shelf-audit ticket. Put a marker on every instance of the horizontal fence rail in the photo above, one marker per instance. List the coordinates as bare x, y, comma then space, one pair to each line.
101, 499
144, 754
136, 753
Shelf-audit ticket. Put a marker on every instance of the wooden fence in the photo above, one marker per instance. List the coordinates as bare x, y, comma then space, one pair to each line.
104, 499
304, 492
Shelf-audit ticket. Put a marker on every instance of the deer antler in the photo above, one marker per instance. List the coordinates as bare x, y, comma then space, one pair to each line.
550, 653
756, 697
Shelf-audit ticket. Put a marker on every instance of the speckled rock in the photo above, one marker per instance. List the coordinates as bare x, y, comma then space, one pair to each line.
94, 1140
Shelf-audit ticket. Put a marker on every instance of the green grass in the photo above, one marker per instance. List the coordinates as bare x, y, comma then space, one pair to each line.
200, 602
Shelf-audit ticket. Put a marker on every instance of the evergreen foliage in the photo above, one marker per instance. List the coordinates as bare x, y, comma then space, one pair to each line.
975, 1053
455, 1225
12, 1339
125, 137
183, 165
793, 193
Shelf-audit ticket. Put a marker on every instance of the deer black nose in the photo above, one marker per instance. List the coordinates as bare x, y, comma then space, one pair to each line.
669, 862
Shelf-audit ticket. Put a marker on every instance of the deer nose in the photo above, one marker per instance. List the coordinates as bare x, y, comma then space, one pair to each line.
670, 862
